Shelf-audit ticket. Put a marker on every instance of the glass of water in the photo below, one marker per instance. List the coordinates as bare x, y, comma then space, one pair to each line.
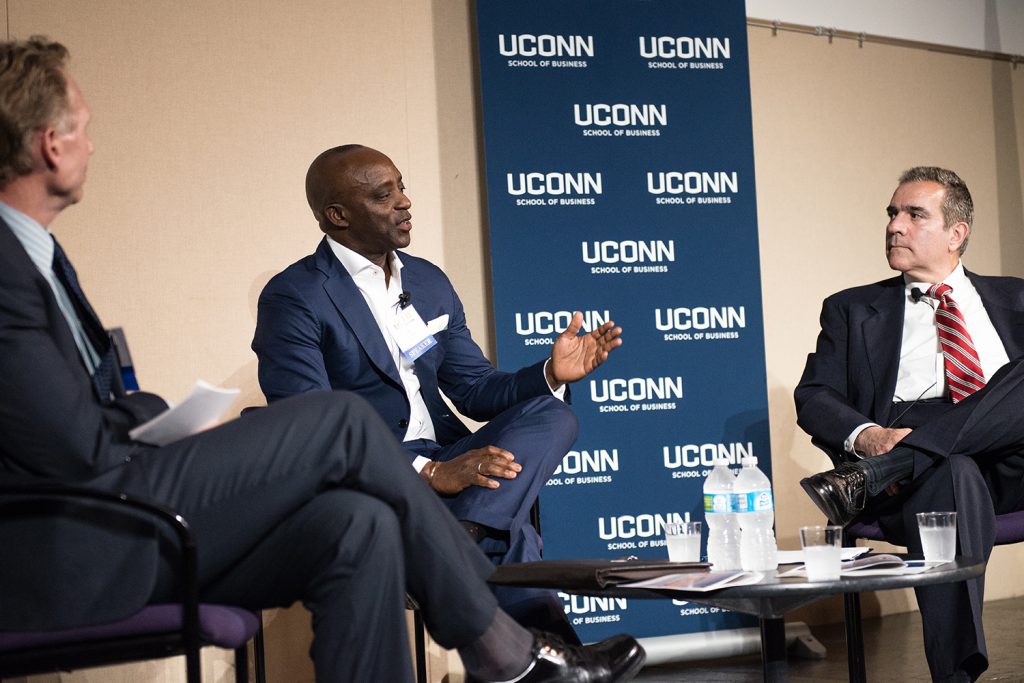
822, 549
683, 541
938, 535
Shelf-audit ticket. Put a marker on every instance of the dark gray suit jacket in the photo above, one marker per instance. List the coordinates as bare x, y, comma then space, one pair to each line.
54, 428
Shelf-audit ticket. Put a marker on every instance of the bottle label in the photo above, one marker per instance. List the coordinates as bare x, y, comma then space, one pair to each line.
754, 501
718, 502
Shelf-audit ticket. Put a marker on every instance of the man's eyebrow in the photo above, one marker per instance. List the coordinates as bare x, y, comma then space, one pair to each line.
385, 184
892, 208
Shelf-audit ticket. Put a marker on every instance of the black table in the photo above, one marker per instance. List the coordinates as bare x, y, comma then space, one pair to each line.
769, 601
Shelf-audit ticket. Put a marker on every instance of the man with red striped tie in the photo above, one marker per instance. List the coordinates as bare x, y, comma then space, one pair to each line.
914, 389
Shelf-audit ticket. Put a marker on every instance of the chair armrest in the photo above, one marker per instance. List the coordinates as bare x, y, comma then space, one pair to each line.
48, 500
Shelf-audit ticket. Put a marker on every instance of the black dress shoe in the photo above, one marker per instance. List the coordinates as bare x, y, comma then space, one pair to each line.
611, 660
840, 493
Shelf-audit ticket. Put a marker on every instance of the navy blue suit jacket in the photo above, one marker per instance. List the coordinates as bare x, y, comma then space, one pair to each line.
315, 331
850, 378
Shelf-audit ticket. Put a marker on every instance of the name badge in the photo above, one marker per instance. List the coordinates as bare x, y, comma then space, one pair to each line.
411, 334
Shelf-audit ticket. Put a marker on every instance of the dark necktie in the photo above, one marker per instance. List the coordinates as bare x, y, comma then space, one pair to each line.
964, 375
103, 377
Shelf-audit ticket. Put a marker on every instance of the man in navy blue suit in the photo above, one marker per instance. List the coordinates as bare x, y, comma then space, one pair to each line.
915, 389
359, 315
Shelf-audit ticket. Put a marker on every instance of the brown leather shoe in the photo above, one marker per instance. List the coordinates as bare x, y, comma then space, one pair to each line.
840, 493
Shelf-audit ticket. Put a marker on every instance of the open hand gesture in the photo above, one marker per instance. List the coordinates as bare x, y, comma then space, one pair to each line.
574, 356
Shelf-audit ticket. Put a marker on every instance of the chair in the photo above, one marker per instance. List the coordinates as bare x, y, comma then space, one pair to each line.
1009, 529
156, 631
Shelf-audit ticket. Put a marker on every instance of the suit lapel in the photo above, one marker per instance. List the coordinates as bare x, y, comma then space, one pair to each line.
345, 296
883, 336
58, 324
1004, 312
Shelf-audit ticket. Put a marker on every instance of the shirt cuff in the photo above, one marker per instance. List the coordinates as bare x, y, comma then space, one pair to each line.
558, 393
852, 439
419, 463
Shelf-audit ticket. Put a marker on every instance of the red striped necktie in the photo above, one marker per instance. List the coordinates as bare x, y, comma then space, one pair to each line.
964, 375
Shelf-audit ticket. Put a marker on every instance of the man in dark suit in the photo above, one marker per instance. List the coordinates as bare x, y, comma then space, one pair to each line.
354, 315
307, 500
912, 391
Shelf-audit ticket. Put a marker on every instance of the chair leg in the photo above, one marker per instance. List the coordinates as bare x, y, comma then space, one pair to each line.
193, 669
242, 664
854, 638
420, 634
259, 653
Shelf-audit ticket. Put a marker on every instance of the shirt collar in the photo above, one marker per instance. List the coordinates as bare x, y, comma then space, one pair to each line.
357, 264
36, 240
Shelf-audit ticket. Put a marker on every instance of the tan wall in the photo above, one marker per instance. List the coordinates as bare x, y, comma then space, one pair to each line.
207, 113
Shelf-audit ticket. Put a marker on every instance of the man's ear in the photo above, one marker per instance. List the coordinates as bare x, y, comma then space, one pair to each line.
958, 233
335, 214
47, 148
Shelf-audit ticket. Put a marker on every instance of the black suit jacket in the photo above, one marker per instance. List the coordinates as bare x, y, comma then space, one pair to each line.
54, 428
850, 378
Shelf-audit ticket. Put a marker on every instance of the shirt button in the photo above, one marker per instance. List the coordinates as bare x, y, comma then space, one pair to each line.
403, 423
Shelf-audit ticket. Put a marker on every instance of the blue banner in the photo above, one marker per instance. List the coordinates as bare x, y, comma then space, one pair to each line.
620, 181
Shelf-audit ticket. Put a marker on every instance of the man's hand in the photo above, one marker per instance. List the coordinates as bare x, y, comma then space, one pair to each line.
473, 468
878, 440
574, 356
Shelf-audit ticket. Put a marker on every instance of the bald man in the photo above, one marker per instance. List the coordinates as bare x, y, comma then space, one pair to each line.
360, 315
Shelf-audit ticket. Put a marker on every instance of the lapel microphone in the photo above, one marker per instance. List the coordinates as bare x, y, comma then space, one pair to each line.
916, 294
403, 299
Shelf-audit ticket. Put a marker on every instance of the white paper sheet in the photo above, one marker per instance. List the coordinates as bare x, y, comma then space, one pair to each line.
200, 410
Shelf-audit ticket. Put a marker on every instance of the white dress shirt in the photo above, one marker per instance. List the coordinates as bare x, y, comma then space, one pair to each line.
922, 369
382, 300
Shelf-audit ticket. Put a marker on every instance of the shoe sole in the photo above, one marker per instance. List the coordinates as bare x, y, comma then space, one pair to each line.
635, 664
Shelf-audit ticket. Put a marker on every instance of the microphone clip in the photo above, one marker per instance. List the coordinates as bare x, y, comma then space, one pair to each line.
404, 299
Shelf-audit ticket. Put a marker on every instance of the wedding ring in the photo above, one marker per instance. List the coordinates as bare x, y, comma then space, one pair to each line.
478, 468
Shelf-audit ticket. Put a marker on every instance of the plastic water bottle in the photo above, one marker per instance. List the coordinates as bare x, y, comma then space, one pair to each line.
720, 517
756, 513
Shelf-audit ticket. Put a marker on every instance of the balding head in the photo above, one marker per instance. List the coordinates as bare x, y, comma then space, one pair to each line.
322, 181
358, 198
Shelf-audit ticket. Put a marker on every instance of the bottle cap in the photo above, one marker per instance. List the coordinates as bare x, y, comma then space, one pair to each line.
749, 460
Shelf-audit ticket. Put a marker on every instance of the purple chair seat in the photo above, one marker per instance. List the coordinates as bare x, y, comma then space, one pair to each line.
1009, 529
219, 625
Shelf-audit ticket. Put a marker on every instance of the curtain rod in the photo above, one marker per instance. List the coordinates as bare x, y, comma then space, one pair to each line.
862, 38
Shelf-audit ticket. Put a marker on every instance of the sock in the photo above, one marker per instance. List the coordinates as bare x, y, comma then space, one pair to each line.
476, 531
503, 653
479, 532
883, 470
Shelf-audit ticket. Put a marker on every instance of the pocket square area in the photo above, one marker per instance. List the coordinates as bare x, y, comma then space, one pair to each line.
438, 324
